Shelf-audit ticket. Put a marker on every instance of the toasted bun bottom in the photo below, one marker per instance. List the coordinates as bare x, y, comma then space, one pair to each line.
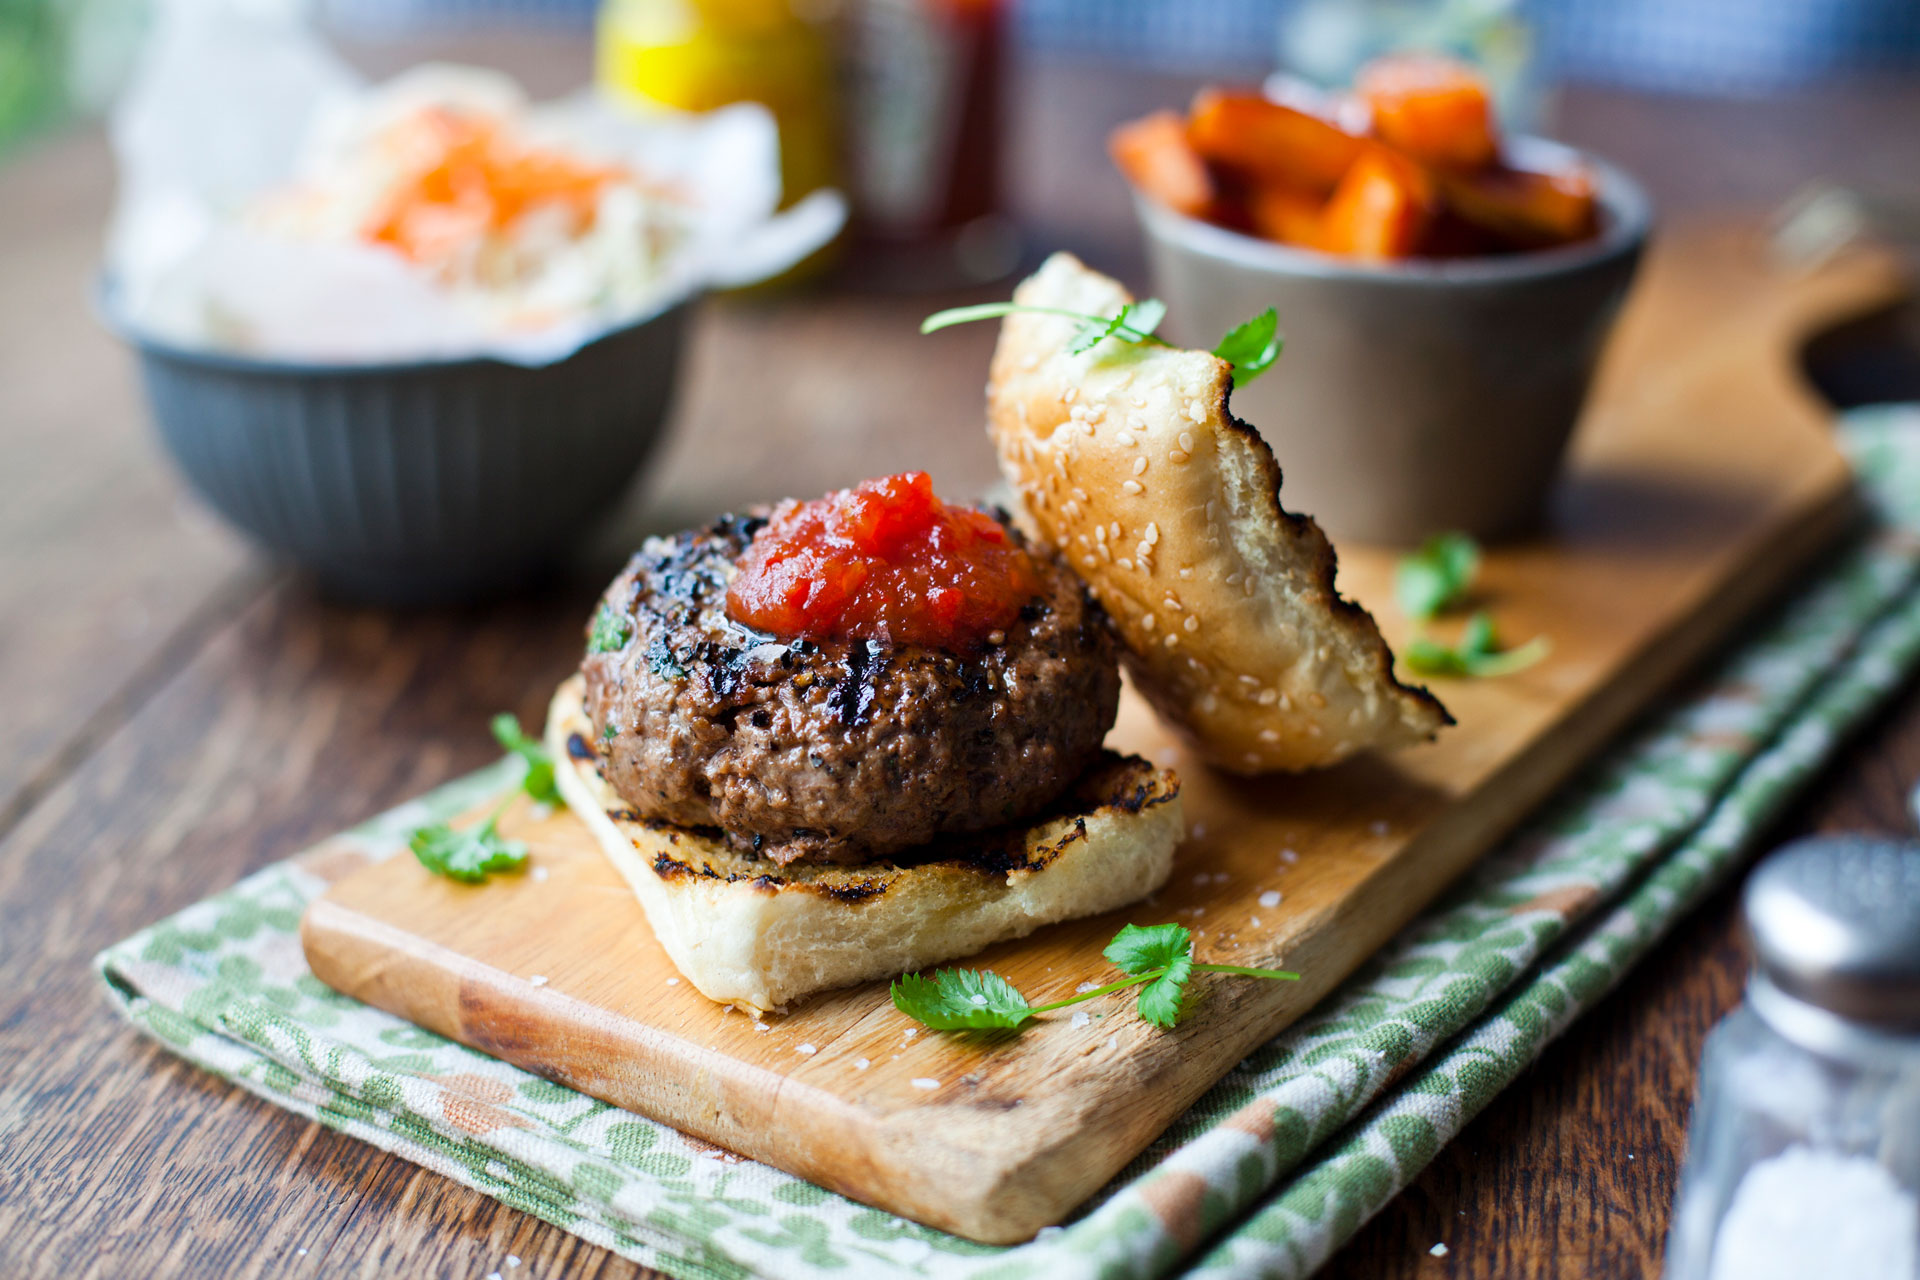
748, 933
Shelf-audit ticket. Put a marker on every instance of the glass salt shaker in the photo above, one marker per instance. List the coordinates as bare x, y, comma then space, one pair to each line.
1804, 1156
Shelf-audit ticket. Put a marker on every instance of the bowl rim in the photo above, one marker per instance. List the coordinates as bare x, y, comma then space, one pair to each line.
1628, 222
103, 294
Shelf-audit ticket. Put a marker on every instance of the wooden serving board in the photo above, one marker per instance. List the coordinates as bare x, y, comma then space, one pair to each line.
1703, 481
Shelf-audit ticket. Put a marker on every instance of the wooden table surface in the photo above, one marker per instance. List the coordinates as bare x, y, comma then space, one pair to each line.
179, 713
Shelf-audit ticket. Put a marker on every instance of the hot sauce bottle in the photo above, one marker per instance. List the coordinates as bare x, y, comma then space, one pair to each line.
922, 82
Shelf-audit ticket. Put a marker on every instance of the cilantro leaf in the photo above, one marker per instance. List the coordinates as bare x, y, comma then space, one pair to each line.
610, 631
1144, 316
1477, 654
1134, 323
538, 781
961, 1000
1158, 959
1159, 1002
1437, 576
468, 854
1164, 951
1136, 950
1251, 348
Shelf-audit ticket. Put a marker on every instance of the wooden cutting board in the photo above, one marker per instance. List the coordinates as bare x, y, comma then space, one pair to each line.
1703, 481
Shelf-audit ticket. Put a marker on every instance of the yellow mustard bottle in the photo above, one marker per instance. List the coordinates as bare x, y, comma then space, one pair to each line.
696, 55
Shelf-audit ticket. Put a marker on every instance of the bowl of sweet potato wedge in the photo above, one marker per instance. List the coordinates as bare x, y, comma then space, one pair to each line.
1444, 290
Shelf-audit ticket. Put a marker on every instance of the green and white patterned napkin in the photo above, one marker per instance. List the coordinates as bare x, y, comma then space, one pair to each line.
1268, 1173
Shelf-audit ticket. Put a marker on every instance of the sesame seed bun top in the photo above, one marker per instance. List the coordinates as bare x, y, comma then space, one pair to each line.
1127, 459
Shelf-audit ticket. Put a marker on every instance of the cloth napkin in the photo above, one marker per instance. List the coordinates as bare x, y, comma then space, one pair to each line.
1266, 1175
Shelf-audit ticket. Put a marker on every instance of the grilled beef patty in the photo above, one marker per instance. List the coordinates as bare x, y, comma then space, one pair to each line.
835, 751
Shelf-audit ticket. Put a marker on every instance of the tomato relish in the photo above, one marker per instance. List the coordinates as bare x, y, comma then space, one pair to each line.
886, 560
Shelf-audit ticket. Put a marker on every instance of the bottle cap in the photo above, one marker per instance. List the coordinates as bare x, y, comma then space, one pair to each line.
1835, 922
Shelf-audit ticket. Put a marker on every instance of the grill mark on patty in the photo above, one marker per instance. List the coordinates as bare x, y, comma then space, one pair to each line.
853, 699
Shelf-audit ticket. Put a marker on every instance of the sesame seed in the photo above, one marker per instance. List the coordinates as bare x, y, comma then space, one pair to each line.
1269, 735
1146, 622
1079, 494
1140, 466
1133, 487
1192, 623
1144, 550
1100, 532
1171, 640
996, 637
1153, 533
1186, 573
1114, 529
1268, 697
1106, 552
1186, 441
1124, 562
1172, 602
1069, 394
1208, 703
1126, 439
1177, 456
1249, 590
1088, 561
1270, 899
1070, 509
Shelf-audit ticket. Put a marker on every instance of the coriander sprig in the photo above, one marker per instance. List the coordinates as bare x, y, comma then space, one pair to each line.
1157, 958
1251, 348
470, 854
1436, 578
1478, 653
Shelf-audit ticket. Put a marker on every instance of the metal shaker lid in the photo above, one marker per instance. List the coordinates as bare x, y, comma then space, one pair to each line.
1835, 921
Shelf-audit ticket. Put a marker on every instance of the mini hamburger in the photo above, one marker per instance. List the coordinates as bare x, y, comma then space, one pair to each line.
842, 739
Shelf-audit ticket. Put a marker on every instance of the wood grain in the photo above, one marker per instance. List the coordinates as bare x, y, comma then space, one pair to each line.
118, 1160
1704, 479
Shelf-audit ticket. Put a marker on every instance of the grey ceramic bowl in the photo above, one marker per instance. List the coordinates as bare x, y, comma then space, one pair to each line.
415, 483
1420, 396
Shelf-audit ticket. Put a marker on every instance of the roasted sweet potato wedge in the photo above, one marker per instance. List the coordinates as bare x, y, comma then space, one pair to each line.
1433, 109
1531, 209
1285, 214
1269, 143
1380, 210
1155, 156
